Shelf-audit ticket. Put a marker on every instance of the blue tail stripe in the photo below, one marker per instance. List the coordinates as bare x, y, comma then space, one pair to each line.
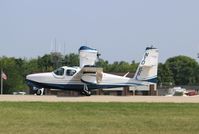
153, 80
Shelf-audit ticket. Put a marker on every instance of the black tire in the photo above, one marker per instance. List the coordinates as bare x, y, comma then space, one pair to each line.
39, 92
88, 94
85, 93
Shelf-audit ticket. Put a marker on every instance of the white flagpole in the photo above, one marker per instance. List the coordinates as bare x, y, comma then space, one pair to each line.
1, 82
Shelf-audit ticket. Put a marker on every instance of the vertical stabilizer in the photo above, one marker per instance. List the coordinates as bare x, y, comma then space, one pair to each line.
148, 67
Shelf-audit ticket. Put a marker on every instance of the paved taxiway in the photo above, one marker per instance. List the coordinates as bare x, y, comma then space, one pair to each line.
33, 98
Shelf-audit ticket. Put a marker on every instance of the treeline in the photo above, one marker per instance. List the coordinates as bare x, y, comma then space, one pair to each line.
180, 70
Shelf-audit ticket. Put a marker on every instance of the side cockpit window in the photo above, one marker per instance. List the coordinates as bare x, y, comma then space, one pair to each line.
70, 72
59, 71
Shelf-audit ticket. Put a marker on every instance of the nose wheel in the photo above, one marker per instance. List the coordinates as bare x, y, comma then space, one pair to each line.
86, 91
37, 91
40, 91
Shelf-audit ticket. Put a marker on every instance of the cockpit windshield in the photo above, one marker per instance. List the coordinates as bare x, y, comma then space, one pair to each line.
70, 72
59, 71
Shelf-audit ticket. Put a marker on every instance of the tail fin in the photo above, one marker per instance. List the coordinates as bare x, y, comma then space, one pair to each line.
148, 67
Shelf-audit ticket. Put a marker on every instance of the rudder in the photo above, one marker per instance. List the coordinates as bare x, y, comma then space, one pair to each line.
148, 67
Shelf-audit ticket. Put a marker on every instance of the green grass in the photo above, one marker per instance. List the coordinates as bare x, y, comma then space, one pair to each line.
98, 118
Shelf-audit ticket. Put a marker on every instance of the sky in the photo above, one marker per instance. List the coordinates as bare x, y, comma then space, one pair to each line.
118, 29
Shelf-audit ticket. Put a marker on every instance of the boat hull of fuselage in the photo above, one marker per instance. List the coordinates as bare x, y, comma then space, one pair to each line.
75, 87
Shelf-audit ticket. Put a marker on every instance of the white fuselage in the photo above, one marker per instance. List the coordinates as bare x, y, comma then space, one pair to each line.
78, 80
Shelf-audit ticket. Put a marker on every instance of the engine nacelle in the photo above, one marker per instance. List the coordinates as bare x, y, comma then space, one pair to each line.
88, 56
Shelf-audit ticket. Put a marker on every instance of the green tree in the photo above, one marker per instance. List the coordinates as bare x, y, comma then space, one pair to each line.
117, 67
103, 63
183, 70
49, 62
165, 76
13, 69
55, 59
31, 66
71, 60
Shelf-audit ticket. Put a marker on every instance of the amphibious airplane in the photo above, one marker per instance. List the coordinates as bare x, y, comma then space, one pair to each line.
87, 77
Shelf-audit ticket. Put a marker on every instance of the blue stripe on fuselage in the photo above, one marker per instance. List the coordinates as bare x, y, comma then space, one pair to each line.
75, 86
55, 86
114, 85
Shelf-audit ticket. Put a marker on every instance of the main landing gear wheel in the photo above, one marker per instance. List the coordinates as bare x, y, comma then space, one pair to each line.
86, 91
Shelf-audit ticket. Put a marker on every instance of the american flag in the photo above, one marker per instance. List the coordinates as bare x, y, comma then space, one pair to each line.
3, 75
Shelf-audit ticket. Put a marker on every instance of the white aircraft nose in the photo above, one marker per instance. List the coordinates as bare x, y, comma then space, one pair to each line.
30, 77
33, 77
40, 77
